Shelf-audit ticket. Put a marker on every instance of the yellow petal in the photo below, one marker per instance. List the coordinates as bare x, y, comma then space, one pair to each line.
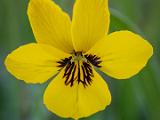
34, 63
50, 24
76, 101
90, 23
123, 54
93, 98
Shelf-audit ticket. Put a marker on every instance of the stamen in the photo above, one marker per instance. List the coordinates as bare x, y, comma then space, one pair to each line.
78, 68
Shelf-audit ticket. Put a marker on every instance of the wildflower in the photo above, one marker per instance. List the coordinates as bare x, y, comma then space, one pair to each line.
73, 50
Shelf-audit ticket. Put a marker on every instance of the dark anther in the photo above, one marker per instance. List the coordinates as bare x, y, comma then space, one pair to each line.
76, 71
94, 60
83, 75
62, 63
69, 76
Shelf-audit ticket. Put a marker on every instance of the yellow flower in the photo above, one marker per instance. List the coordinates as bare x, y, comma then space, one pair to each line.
73, 50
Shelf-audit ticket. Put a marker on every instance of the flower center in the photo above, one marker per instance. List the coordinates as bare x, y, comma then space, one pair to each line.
78, 56
78, 68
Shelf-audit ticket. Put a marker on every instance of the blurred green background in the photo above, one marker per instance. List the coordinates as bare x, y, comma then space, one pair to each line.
134, 99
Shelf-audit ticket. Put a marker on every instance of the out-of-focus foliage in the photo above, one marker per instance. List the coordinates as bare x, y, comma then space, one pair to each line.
134, 99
